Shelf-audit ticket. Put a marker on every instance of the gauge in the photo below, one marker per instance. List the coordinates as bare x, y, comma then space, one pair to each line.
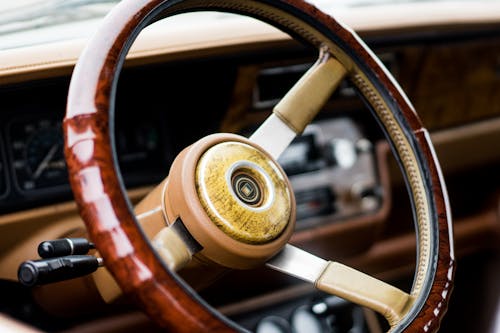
37, 153
3, 177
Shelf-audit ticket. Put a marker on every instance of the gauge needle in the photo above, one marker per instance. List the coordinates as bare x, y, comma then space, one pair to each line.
45, 161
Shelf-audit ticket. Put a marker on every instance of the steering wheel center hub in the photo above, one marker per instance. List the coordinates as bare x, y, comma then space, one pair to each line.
244, 192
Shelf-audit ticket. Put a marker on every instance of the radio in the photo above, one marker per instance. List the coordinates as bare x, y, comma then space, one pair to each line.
333, 171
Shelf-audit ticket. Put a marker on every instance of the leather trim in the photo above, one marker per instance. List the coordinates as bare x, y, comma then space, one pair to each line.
413, 175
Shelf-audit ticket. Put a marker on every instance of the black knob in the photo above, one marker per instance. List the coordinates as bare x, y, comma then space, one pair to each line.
37, 272
64, 247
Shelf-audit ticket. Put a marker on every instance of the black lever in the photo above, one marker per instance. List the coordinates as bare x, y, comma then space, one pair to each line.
37, 272
64, 247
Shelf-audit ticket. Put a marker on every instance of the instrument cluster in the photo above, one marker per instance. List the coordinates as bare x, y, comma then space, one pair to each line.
33, 168
36, 150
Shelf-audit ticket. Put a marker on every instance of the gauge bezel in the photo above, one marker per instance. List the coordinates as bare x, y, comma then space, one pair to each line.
59, 189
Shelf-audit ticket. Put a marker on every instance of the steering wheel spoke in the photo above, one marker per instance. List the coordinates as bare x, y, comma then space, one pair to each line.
365, 290
300, 105
343, 281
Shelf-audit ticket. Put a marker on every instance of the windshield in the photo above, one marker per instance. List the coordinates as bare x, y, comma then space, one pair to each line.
30, 14
31, 22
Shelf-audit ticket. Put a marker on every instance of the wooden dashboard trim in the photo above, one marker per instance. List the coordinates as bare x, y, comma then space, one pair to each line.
163, 44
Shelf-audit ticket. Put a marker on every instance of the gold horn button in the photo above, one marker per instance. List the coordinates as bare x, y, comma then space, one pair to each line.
243, 192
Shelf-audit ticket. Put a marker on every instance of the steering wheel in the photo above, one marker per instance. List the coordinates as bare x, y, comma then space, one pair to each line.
226, 200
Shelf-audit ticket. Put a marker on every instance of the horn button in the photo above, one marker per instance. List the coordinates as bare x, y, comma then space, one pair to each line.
244, 192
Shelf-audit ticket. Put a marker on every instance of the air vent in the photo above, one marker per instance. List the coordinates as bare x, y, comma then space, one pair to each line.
274, 82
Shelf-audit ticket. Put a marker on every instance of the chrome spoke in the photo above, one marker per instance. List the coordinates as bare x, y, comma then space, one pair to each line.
298, 263
273, 136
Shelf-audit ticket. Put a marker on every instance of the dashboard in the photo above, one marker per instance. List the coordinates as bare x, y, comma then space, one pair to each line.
331, 166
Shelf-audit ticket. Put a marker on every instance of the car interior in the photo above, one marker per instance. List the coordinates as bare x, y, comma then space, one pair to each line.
250, 165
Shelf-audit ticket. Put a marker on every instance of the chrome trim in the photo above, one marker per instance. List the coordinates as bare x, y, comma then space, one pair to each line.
273, 136
298, 263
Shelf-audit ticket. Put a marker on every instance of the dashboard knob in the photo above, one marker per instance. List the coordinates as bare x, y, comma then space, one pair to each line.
342, 152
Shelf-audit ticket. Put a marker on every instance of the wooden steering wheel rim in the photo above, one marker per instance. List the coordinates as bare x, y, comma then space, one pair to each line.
101, 197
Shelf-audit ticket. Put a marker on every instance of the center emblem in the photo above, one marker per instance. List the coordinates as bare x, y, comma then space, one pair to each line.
247, 189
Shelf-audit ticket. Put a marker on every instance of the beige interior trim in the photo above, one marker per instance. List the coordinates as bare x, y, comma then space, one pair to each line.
161, 42
308, 96
417, 15
452, 144
26, 249
472, 140
413, 172
38, 215
106, 285
172, 248
58, 58
360, 288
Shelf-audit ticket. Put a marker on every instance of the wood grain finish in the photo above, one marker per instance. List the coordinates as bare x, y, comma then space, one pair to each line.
448, 86
435, 307
101, 198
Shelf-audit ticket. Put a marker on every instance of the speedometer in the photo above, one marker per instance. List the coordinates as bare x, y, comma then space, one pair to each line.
37, 152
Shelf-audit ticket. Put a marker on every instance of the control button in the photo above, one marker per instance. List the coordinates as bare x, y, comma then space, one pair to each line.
43, 271
367, 195
315, 202
305, 321
342, 152
64, 247
364, 146
273, 324
302, 156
